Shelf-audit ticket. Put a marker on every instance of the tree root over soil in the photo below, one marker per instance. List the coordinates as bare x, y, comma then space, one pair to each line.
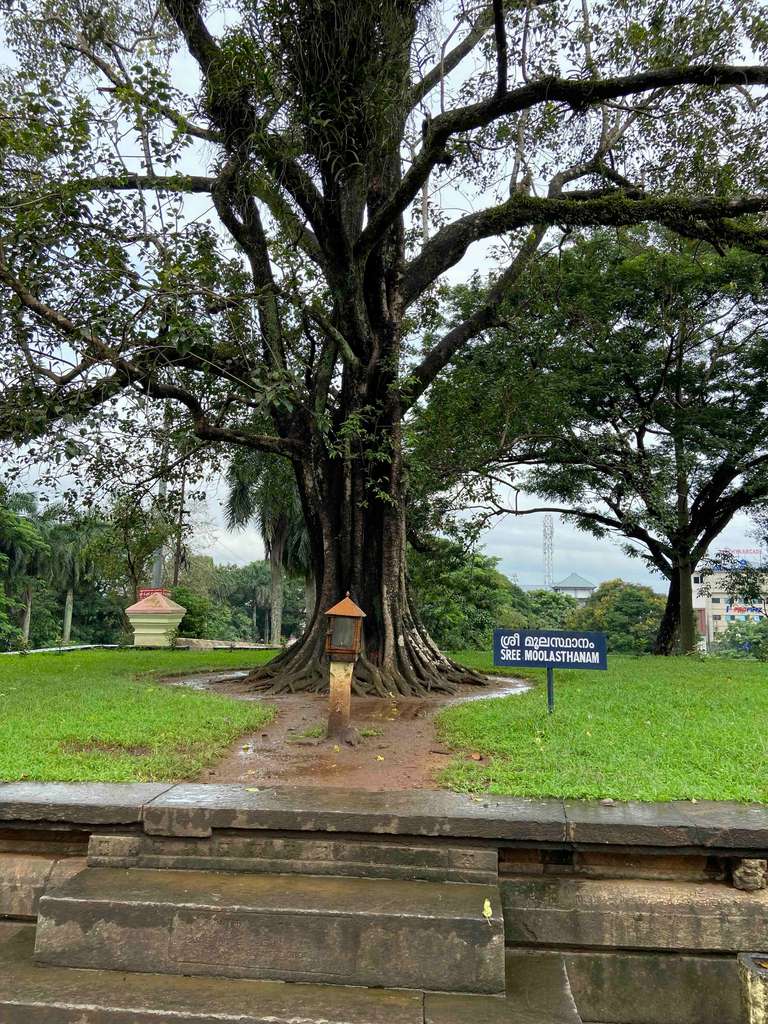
415, 669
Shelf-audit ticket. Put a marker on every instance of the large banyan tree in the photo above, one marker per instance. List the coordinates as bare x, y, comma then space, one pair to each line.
245, 211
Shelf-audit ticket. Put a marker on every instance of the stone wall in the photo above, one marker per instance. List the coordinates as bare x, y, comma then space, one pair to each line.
637, 901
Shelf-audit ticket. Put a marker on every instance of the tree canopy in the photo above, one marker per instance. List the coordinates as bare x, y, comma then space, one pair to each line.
631, 396
247, 214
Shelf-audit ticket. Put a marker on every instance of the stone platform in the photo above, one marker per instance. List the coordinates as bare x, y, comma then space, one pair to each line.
224, 903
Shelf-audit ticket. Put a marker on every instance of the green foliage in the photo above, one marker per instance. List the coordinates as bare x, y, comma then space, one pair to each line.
627, 612
743, 640
99, 715
462, 597
550, 610
197, 614
628, 391
647, 729
125, 547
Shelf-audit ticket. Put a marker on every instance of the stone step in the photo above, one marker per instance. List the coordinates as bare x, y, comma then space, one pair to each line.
35, 994
296, 854
32, 993
344, 931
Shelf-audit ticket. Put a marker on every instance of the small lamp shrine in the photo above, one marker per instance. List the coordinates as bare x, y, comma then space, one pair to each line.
343, 643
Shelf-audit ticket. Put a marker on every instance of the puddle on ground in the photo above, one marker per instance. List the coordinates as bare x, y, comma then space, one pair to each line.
505, 689
203, 680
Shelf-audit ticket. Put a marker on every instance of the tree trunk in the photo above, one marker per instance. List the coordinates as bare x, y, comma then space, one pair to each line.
254, 621
666, 636
276, 549
687, 624
309, 596
358, 545
69, 604
27, 616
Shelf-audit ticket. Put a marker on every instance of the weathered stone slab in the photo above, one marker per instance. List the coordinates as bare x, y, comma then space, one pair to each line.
629, 824
538, 992
711, 824
456, 1009
652, 988
91, 803
632, 914
297, 854
35, 994
346, 931
24, 878
22, 881
195, 810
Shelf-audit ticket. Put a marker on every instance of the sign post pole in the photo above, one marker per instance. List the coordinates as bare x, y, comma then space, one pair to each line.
550, 689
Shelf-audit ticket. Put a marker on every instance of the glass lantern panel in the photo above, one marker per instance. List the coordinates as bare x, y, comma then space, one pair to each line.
343, 633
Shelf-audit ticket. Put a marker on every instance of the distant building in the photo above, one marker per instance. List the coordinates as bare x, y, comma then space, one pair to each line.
575, 586
715, 611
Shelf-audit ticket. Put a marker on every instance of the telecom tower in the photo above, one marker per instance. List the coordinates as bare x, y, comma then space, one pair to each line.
549, 549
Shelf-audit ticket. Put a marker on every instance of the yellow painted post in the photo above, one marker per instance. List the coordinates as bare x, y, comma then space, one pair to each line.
340, 703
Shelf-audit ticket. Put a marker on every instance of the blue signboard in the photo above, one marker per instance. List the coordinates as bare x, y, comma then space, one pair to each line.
549, 649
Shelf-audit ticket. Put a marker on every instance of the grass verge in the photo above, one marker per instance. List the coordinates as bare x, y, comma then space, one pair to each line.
100, 715
647, 729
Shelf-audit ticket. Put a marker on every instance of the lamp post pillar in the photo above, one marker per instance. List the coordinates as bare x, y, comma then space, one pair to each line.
340, 704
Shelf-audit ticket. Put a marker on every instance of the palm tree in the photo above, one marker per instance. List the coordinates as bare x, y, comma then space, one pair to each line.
24, 547
72, 548
262, 488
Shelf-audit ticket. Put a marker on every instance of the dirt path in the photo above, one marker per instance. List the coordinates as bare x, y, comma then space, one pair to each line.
399, 749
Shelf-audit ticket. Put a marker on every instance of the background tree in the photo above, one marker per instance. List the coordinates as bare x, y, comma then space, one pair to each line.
262, 489
313, 130
627, 612
21, 545
631, 395
27, 551
743, 640
461, 597
550, 610
126, 547
72, 542
247, 587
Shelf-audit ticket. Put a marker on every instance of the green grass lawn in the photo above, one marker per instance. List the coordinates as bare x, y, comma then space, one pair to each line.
647, 729
99, 715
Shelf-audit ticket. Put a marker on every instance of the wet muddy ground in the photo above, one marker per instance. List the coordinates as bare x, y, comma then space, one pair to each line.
399, 747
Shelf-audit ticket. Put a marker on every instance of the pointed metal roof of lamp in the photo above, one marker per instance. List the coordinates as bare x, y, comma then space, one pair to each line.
347, 608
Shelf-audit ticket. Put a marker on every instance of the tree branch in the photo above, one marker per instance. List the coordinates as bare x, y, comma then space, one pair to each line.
241, 128
579, 94
615, 208
502, 56
130, 372
441, 354
451, 60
